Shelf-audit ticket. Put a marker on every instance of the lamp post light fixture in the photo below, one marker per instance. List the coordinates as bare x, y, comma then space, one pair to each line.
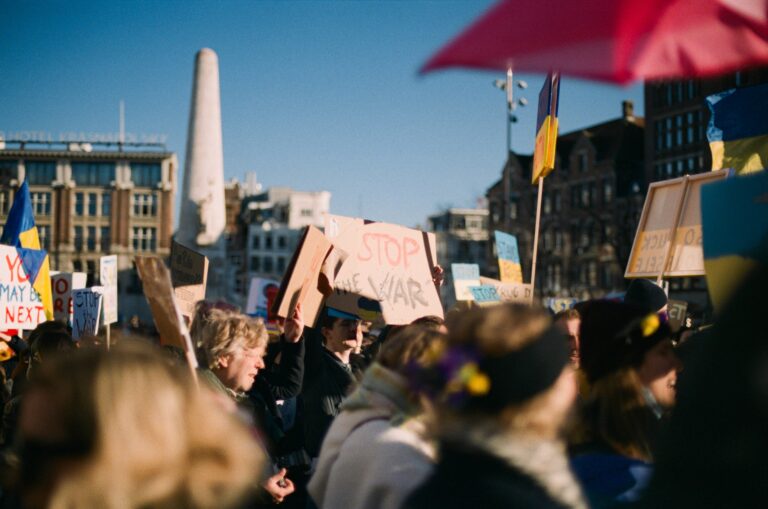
508, 86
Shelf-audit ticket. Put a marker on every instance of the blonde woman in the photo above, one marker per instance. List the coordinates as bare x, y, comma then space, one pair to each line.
503, 390
126, 429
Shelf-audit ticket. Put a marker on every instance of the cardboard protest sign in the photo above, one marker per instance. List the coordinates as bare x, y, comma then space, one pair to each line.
156, 284
189, 276
301, 282
108, 280
510, 292
340, 229
485, 294
390, 268
671, 207
676, 311
62, 284
735, 213
20, 305
261, 295
510, 270
86, 306
465, 275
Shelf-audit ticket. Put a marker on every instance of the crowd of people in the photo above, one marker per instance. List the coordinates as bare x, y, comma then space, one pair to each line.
501, 406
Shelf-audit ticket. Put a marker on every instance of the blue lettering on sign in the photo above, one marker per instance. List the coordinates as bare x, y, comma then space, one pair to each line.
485, 293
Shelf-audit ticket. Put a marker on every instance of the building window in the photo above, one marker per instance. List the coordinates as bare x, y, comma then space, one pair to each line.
144, 238
256, 242
93, 173
547, 204
79, 204
592, 274
91, 204
583, 161
40, 173
105, 239
306, 212
513, 212
268, 265
146, 174
267, 244
78, 238
585, 195
607, 191
144, 205
41, 204
44, 234
558, 240
558, 201
91, 240
459, 223
255, 264
280, 264
90, 269
106, 204
4, 202
9, 170
281, 242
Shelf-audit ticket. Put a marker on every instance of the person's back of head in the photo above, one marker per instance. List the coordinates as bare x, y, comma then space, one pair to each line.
128, 429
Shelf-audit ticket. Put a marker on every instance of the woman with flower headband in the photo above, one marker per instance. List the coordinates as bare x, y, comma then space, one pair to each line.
503, 389
631, 367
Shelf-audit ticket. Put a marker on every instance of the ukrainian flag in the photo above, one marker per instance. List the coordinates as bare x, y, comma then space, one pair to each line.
20, 231
738, 129
546, 128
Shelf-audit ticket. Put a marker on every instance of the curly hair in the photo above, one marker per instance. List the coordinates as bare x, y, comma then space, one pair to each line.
218, 332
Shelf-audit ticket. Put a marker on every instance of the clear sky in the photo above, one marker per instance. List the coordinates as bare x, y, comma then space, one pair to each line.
316, 95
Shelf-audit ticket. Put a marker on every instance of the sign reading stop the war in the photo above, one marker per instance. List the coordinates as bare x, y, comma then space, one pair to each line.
86, 304
668, 239
389, 267
62, 285
20, 305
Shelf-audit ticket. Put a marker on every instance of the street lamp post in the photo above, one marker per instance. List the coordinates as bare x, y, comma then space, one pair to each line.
508, 86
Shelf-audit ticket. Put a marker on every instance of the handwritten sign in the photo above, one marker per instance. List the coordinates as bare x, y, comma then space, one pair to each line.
671, 221
465, 275
560, 304
485, 294
510, 292
62, 284
86, 311
20, 305
389, 267
676, 311
108, 279
189, 276
510, 270
301, 282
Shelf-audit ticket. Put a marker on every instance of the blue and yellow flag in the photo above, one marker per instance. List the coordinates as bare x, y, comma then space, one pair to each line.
20, 231
546, 128
738, 129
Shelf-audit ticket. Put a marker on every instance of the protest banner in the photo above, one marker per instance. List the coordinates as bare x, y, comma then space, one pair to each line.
485, 295
510, 270
108, 280
189, 276
62, 284
465, 275
735, 218
671, 207
301, 281
261, 294
676, 311
510, 292
20, 305
86, 309
389, 267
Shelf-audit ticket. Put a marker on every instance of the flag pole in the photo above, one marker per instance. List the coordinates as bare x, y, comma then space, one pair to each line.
536, 236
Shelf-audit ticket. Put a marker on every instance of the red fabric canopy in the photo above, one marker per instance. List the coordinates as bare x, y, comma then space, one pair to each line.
614, 40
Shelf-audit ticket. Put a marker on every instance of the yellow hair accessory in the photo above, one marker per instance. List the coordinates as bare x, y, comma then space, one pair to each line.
479, 384
650, 324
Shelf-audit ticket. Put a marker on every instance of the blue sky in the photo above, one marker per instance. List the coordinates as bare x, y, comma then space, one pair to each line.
315, 95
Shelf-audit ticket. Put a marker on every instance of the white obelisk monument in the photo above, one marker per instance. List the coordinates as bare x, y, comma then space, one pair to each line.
203, 215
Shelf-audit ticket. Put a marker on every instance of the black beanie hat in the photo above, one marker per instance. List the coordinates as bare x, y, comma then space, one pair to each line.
616, 334
645, 295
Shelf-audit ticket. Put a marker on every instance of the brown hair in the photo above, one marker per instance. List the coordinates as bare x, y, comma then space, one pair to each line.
409, 344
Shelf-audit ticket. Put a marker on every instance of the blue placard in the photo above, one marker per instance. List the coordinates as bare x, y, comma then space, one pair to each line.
506, 247
462, 271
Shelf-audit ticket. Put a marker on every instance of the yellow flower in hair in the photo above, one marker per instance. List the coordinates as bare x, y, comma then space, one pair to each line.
479, 384
467, 371
650, 324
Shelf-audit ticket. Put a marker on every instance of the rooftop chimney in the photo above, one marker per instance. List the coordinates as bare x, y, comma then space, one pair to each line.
628, 110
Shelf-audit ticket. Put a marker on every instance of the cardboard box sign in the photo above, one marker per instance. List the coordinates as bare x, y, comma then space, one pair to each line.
189, 276
108, 280
20, 304
388, 269
301, 282
659, 223
156, 284
87, 304
465, 275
